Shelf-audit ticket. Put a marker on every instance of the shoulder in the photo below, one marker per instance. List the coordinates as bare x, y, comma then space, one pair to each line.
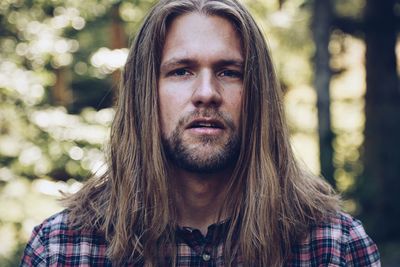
341, 227
55, 242
339, 241
51, 227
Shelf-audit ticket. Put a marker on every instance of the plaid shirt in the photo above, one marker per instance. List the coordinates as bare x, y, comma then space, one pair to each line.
342, 242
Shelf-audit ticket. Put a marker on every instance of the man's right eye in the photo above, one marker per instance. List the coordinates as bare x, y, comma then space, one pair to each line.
179, 72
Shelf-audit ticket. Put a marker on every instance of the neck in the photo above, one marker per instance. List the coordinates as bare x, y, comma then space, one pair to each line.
199, 198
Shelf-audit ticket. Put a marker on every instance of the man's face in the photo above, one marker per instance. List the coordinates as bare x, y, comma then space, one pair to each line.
200, 93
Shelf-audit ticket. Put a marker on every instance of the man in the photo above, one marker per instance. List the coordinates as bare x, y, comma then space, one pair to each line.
201, 172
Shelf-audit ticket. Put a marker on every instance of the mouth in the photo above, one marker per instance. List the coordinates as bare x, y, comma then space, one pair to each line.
206, 124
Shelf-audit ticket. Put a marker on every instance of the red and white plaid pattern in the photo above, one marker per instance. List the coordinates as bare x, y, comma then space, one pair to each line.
341, 242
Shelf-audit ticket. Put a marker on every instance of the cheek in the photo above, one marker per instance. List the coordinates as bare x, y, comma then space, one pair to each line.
164, 115
174, 102
169, 111
235, 106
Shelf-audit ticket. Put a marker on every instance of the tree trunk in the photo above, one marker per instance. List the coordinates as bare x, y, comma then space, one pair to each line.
322, 22
61, 93
118, 39
380, 183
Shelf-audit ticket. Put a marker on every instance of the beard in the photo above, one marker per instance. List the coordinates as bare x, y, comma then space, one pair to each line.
205, 153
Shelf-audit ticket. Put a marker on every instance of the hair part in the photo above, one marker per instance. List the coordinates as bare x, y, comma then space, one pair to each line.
133, 203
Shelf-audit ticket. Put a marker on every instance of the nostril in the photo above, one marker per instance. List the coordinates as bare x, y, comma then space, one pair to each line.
211, 103
206, 98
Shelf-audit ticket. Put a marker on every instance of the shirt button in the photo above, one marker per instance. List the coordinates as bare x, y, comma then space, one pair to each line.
206, 257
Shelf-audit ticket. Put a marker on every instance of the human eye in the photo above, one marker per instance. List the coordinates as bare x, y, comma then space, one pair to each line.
179, 72
231, 74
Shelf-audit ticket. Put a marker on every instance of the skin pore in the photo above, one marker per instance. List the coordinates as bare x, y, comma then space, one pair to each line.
200, 94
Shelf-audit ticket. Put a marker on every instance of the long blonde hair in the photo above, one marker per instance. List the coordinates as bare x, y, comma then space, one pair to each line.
275, 202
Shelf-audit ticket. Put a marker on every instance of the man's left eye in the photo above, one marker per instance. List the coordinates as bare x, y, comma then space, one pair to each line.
231, 74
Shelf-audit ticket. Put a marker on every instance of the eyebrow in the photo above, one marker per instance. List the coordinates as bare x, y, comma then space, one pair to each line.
174, 62
177, 62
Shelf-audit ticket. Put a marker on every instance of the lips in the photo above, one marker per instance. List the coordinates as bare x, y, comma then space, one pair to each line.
206, 123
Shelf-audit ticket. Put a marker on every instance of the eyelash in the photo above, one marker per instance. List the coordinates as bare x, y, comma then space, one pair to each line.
231, 73
175, 72
225, 73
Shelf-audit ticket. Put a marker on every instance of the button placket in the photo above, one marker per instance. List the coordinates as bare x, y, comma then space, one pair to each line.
208, 244
206, 256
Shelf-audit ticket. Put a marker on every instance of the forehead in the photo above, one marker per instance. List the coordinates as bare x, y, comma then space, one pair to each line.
196, 34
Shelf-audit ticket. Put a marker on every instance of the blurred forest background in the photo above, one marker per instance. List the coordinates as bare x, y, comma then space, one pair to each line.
60, 62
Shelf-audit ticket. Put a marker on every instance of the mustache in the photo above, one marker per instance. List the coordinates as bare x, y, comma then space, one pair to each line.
213, 114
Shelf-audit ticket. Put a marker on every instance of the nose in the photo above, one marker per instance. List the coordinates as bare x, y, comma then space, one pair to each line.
206, 92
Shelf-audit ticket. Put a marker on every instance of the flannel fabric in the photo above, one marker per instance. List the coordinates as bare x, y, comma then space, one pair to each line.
341, 242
